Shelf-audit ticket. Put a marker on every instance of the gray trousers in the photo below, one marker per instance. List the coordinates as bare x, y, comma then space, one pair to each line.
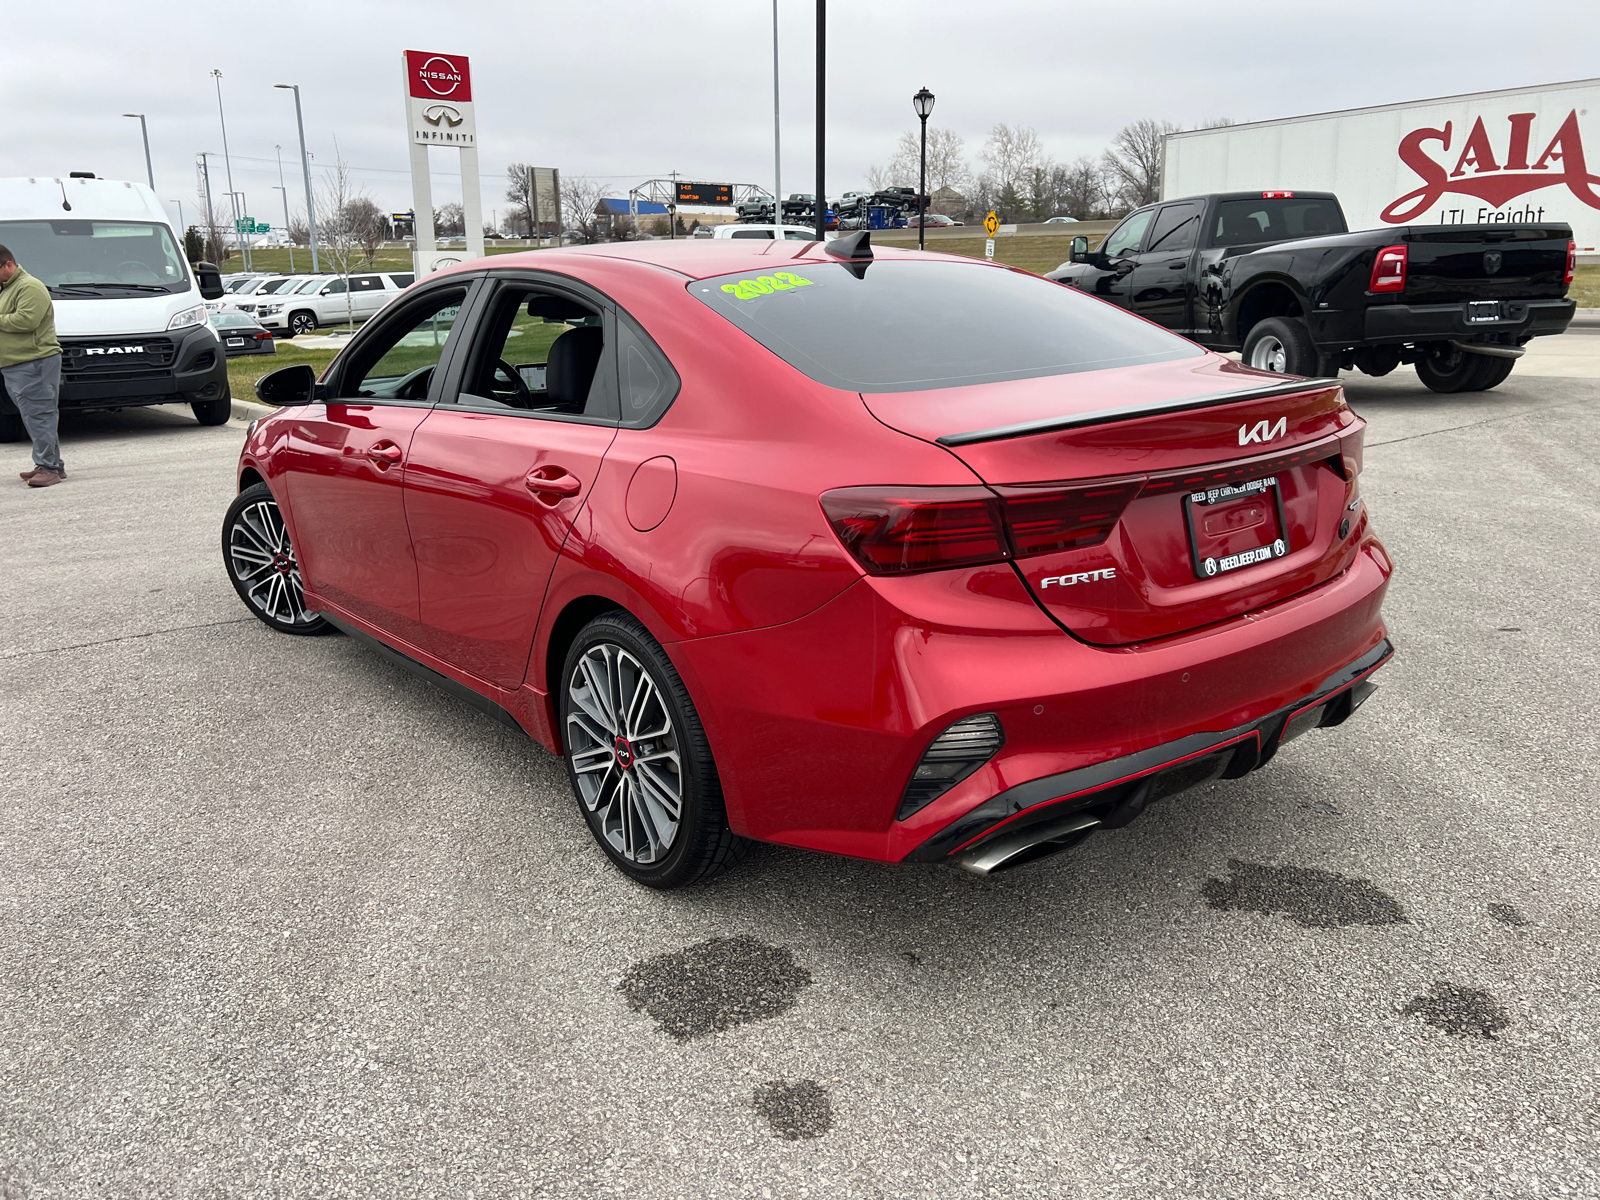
33, 388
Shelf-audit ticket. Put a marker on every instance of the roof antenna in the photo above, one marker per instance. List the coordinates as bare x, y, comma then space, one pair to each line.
64, 202
851, 245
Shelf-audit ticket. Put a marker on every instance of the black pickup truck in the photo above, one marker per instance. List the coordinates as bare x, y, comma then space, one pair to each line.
1278, 276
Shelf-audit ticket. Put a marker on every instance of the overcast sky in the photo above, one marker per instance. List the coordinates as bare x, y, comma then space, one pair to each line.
625, 91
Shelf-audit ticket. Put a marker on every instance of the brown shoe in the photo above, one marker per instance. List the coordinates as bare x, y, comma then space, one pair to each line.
43, 478
29, 473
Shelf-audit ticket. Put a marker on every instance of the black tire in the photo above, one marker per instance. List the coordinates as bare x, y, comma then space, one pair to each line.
11, 427
261, 564
1283, 345
1453, 370
1492, 372
213, 412
302, 322
619, 794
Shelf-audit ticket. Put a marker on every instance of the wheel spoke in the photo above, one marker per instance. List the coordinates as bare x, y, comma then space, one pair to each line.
599, 706
596, 758
658, 789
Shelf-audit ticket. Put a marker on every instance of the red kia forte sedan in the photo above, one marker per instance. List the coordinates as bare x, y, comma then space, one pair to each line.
887, 554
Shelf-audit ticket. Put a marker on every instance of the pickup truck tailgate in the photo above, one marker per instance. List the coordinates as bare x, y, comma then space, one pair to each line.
1485, 262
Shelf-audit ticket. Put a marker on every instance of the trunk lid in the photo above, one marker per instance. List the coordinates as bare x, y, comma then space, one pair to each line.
1234, 482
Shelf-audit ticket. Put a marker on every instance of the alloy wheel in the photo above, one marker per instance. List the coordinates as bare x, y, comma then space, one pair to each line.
262, 559
624, 752
1269, 354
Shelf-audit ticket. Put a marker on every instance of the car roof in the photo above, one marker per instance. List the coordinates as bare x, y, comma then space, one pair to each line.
693, 258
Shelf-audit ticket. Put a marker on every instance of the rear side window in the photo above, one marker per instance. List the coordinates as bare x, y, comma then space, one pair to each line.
1177, 228
403, 281
365, 283
752, 233
906, 326
649, 384
1253, 222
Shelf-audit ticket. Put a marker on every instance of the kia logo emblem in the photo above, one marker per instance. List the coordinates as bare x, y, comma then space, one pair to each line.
1491, 261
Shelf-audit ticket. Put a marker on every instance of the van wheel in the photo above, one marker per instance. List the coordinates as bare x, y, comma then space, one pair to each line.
213, 412
639, 760
302, 322
1282, 345
1454, 370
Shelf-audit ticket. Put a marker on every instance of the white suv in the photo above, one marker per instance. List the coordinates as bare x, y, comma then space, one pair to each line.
322, 300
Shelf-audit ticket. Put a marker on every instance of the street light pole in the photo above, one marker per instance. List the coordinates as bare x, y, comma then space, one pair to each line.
227, 162
922, 102
777, 155
305, 166
820, 204
150, 171
285, 192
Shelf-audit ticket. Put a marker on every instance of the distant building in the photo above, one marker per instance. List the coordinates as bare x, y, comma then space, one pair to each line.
947, 202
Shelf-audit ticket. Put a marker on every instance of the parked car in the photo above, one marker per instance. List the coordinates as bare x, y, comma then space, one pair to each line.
789, 233
1276, 276
241, 335
929, 221
704, 231
1062, 221
322, 300
270, 285
764, 553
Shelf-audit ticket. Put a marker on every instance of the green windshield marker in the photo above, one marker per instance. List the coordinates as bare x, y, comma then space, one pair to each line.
765, 285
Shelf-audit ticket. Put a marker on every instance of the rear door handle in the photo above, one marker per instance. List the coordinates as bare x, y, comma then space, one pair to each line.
384, 453
553, 481
1179, 265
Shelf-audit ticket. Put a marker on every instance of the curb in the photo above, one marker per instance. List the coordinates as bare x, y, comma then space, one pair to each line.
249, 410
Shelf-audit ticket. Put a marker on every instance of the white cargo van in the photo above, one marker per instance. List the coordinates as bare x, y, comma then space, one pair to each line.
130, 311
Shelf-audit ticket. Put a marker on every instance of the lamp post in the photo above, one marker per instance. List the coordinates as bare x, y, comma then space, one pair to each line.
285, 192
227, 163
149, 171
819, 205
305, 167
923, 103
777, 156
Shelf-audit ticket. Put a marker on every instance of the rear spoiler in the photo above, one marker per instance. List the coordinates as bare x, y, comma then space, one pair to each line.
1151, 408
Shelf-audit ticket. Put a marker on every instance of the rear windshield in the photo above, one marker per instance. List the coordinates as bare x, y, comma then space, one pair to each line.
1252, 222
908, 326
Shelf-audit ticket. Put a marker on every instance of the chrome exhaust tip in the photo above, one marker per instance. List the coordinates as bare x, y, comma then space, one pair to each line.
1035, 842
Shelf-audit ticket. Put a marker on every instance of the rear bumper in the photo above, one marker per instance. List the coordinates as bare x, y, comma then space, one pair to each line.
1044, 815
1519, 320
817, 725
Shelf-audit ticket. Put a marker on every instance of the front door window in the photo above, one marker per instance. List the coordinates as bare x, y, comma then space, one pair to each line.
397, 361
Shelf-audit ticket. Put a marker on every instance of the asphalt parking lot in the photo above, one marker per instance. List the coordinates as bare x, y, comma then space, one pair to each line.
280, 920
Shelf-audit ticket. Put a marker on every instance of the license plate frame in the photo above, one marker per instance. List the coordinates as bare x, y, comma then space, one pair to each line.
1482, 312
1210, 567
236, 341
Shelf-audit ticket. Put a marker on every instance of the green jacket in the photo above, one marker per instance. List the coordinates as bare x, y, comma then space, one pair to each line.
27, 321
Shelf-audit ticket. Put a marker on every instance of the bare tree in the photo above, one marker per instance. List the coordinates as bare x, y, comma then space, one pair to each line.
1079, 188
1013, 154
368, 225
299, 234
337, 234
1133, 164
580, 197
879, 178
1216, 123
519, 190
947, 161
450, 220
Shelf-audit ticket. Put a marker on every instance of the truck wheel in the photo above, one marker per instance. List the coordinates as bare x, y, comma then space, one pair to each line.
11, 429
1492, 372
1452, 371
213, 412
302, 322
1282, 345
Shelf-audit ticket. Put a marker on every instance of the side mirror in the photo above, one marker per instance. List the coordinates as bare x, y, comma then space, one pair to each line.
209, 280
1080, 250
327, 291
288, 387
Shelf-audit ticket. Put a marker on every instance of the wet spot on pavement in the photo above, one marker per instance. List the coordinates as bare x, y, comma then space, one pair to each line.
1309, 897
1507, 914
795, 1111
715, 985
1460, 1011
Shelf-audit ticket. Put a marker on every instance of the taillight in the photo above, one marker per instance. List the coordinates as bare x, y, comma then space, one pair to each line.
1389, 270
1043, 520
893, 531
1352, 451
1572, 263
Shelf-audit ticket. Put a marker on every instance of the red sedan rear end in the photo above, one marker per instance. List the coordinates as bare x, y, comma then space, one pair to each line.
900, 556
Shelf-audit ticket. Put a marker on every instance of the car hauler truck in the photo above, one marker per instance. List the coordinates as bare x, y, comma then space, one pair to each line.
130, 311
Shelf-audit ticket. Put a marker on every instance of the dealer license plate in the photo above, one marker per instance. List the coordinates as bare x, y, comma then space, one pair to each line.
1479, 311
235, 341
1235, 525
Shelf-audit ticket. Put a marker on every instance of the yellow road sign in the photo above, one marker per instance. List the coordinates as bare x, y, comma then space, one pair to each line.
991, 224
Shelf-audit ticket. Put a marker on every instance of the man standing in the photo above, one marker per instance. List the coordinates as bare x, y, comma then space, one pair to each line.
30, 364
